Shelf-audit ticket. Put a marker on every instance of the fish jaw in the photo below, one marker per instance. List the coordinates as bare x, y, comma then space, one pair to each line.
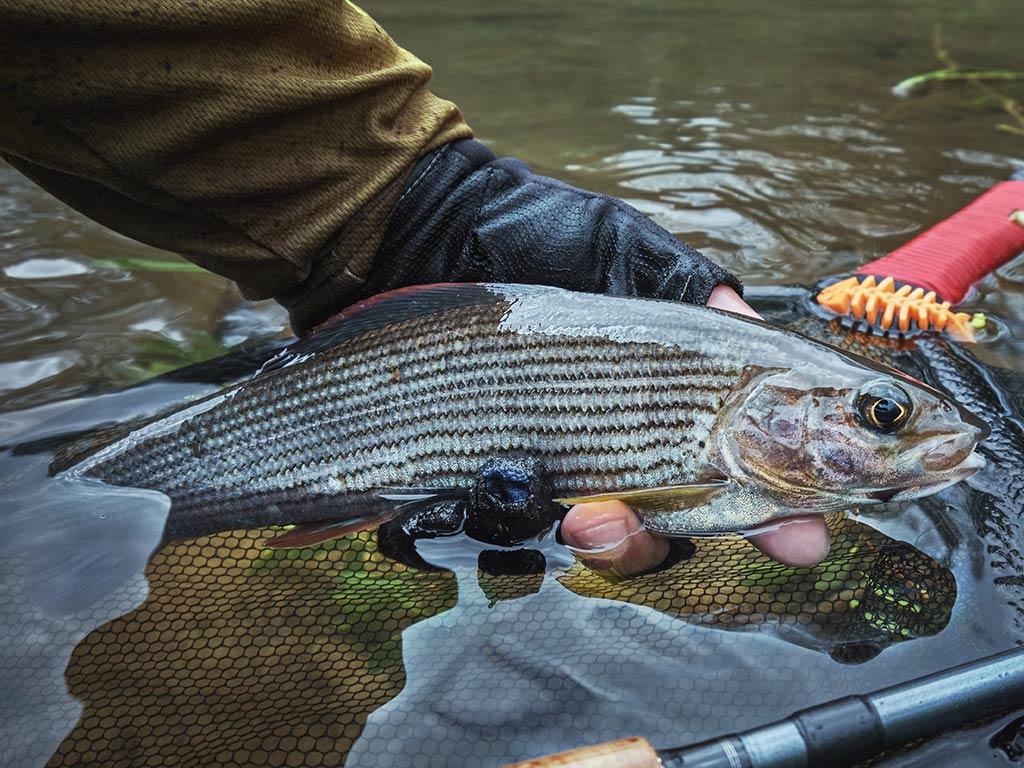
952, 453
939, 463
939, 481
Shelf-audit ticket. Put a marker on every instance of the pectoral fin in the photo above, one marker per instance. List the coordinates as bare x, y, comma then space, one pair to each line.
308, 534
381, 505
666, 498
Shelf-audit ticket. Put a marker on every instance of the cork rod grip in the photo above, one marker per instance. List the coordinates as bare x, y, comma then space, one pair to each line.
633, 752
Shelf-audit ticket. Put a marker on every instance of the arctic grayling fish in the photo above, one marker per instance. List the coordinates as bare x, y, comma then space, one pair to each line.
703, 421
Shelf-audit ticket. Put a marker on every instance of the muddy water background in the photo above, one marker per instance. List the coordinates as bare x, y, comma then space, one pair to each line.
764, 134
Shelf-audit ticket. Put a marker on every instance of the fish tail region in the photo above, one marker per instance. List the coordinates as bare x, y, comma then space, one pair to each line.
71, 560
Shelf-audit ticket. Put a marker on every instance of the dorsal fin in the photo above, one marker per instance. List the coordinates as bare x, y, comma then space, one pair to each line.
389, 308
229, 368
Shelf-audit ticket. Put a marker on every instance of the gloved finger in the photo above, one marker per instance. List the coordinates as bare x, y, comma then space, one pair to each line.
397, 538
799, 541
608, 536
510, 502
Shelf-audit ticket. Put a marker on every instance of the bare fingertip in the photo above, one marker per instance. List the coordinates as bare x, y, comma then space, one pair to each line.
609, 538
800, 542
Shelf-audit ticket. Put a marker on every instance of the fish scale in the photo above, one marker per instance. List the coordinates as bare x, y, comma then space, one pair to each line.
421, 388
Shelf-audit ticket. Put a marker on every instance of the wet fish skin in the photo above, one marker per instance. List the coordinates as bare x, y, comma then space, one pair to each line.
705, 422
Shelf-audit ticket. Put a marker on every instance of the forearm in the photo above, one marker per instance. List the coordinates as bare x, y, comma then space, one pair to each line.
266, 141
273, 143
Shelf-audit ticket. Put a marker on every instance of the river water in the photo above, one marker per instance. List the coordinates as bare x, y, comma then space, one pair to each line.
767, 135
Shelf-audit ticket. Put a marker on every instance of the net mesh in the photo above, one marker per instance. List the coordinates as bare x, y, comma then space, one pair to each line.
246, 656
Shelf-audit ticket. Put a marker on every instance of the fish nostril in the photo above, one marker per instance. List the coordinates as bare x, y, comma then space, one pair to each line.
981, 427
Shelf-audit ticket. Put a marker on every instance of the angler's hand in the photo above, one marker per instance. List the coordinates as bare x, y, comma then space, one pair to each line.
467, 216
509, 504
612, 532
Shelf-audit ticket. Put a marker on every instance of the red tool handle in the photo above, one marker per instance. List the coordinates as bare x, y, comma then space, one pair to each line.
954, 254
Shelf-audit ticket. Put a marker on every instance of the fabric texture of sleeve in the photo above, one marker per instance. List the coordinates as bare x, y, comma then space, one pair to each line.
265, 140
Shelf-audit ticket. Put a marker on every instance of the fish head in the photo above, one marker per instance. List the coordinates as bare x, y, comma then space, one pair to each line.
821, 439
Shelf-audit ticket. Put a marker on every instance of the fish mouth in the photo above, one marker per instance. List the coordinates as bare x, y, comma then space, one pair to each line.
950, 452
967, 467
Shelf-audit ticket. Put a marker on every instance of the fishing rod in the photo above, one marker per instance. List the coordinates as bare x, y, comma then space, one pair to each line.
838, 733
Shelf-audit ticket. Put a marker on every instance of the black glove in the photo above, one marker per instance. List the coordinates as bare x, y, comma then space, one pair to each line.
510, 502
466, 216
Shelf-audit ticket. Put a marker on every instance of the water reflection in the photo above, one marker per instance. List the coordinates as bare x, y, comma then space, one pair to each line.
64, 546
496, 680
71, 561
764, 194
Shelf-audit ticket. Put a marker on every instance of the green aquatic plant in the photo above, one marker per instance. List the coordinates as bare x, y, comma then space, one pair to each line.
977, 77
134, 264
376, 604
162, 354
909, 85
370, 599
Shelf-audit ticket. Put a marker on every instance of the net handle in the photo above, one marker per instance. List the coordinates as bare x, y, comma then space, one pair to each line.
957, 252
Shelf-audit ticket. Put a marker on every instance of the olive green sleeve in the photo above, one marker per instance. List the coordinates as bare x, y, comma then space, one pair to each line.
265, 140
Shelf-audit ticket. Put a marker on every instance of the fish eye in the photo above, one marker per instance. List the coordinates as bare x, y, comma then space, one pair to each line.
884, 406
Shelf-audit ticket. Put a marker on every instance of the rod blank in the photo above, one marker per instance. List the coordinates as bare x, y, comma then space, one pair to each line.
837, 733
